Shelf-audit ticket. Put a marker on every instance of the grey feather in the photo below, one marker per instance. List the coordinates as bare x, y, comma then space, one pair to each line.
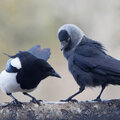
87, 60
40, 53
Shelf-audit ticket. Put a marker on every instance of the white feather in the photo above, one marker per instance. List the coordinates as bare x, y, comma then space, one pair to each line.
8, 83
16, 63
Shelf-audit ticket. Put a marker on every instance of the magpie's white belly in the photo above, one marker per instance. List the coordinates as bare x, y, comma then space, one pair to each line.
8, 83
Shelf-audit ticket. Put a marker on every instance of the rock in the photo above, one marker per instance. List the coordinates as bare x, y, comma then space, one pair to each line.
88, 110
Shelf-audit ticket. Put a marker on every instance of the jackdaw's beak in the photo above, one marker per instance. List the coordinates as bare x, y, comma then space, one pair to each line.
63, 45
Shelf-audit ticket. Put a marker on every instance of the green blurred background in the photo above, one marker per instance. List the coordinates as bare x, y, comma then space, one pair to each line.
25, 23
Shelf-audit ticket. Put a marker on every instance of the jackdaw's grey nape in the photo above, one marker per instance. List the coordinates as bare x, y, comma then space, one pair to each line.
87, 60
25, 70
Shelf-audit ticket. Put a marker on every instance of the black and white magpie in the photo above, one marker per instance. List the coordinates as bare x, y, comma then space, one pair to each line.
25, 70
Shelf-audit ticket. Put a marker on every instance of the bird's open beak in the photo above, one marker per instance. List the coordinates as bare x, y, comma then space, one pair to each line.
63, 45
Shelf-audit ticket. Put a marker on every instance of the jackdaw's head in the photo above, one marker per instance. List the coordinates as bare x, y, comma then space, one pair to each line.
69, 35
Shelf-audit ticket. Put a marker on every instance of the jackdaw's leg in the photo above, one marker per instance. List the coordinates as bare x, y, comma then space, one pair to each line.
98, 98
15, 101
34, 100
70, 98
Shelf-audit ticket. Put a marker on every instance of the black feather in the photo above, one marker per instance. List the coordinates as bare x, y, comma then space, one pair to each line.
91, 66
91, 58
33, 70
40, 53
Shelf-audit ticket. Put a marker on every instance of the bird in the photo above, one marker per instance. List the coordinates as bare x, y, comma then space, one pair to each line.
24, 71
88, 61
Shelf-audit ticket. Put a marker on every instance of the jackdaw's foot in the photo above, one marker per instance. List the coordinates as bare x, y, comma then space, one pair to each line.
69, 100
36, 101
16, 103
97, 99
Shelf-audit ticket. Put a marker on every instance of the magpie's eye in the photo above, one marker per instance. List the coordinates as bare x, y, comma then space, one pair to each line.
63, 35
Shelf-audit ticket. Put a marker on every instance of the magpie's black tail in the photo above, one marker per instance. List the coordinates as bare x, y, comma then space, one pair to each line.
40, 53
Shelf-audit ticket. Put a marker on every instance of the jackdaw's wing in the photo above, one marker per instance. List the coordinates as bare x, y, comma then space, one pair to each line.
40, 53
100, 63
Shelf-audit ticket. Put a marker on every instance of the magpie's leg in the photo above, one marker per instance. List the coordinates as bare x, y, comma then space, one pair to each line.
15, 101
98, 97
70, 98
34, 100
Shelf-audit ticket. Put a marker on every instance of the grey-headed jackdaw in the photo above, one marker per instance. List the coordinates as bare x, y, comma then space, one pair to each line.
87, 60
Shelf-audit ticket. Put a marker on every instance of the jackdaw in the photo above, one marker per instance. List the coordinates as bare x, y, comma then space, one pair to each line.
25, 70
87, 59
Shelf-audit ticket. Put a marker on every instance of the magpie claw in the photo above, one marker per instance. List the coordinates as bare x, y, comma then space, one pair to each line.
67, 100
35, 101
97, 99
17, 103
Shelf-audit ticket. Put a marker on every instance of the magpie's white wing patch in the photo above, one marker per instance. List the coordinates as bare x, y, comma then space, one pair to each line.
16, 63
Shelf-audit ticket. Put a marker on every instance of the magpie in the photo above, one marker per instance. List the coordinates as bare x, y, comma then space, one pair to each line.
25, 70
87, 59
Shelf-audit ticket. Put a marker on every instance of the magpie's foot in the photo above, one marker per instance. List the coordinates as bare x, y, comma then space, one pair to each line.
35, 101
97, 99
74, 100
68, 100
40, 100
16, 103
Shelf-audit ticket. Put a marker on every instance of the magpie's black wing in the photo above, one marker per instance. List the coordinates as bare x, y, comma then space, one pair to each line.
42, 64
31, 75
40, 53
37, 52
93, 59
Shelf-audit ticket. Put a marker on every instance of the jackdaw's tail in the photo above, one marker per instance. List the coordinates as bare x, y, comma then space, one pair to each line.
40, 53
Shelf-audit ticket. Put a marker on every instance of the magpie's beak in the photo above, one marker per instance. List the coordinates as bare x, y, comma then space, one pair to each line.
55, 74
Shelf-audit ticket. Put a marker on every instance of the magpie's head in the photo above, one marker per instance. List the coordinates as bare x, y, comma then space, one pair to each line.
53, 73
69, 35
46, 69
